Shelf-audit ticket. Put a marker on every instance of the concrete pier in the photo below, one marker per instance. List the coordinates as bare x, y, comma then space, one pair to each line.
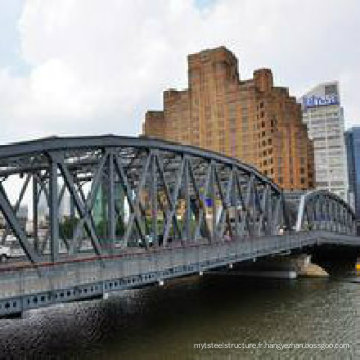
281, 267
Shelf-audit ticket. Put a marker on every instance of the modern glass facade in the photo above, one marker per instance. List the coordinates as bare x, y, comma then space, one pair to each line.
352, 138
100, 210
324, 116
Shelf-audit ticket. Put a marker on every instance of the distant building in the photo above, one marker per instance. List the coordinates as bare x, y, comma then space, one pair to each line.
252, 120
100, 209
352, 139
324, 116
64, 207
22, 215
43, 209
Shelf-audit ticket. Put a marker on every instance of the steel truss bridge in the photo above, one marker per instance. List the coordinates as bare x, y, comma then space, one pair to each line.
166, 210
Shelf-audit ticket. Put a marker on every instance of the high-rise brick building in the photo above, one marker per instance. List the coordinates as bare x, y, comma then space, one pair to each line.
251, 120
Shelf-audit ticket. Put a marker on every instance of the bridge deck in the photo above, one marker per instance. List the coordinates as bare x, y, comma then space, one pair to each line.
24, 288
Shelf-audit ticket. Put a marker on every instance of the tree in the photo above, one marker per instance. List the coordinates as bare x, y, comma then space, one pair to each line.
120, 229
102, 228
67, 227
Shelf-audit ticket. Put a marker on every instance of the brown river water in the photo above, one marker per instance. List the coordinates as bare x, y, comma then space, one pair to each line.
249, 318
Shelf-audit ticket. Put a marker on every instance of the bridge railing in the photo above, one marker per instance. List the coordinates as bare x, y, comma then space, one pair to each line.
19, 280
27, 287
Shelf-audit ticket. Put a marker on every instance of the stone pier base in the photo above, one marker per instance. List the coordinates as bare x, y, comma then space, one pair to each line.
289, 267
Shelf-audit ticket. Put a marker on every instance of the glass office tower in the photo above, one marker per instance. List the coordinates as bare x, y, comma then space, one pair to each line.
352, 138
324, 116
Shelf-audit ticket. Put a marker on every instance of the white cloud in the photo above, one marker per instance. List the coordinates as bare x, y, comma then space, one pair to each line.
97, 66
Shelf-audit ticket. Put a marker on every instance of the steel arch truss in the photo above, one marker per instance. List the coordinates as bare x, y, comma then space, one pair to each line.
323, 210
151, 192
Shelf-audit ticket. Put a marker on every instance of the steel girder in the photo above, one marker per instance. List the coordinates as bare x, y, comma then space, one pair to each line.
323, 210
169, 194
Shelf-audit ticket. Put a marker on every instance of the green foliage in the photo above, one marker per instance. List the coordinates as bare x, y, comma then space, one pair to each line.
102, 228
120, 230
161, 224
67, 227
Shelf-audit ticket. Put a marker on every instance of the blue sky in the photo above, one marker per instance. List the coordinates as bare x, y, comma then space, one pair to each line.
204, 3
10, 55
78, 67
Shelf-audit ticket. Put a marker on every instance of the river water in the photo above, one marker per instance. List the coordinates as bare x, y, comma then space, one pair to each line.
165, 322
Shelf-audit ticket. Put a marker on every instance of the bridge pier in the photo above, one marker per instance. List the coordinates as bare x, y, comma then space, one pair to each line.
280, 266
